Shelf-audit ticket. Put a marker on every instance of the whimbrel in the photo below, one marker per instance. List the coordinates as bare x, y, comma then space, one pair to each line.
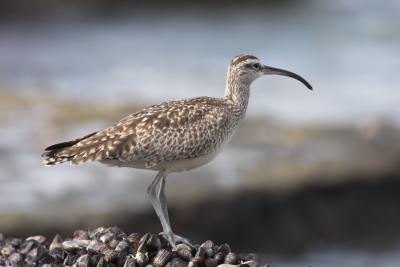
172, 136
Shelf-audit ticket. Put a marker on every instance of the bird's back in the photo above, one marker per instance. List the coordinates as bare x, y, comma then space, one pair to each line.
167, 132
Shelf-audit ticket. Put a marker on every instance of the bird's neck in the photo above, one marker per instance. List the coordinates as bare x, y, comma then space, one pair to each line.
237, 91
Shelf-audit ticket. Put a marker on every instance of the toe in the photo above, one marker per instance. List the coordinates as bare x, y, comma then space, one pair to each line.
179, 239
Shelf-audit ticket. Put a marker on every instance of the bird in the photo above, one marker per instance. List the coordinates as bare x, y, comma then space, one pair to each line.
172, 136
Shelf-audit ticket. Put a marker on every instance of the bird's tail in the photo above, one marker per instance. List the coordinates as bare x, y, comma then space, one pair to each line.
52, 153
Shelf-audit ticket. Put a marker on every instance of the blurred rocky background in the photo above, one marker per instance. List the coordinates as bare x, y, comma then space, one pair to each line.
311, 178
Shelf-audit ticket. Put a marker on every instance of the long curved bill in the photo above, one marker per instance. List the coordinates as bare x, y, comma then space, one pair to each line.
270, 70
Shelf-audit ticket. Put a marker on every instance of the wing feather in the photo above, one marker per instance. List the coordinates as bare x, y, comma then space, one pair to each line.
164, 132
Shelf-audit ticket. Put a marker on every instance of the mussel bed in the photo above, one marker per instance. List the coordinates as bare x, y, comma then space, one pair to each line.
113, 247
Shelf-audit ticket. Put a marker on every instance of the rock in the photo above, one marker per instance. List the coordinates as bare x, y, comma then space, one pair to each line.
112, 247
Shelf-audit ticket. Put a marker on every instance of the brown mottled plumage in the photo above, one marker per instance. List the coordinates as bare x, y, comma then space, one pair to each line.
172, 136
169, 131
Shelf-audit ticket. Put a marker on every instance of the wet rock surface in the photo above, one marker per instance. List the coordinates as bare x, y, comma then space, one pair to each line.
113, 247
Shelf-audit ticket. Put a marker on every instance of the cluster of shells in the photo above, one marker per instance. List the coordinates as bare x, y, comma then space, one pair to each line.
112, 247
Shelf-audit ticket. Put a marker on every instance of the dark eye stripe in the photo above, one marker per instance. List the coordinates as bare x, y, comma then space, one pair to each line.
256, 66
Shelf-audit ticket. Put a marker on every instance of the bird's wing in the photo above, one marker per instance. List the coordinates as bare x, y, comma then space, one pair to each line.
164, 132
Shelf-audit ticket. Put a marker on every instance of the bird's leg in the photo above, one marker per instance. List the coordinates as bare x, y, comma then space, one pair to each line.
163, 200
153, 190
156, 192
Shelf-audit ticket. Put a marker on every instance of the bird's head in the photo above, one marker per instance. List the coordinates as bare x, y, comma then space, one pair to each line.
247, 68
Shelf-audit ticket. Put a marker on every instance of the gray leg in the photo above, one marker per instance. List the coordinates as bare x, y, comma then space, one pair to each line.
156, 192
163, 200
157, 197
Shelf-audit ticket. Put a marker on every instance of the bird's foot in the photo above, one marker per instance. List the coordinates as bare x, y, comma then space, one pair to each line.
174, 239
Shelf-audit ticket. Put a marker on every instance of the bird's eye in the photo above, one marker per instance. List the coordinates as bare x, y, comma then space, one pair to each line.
256, 66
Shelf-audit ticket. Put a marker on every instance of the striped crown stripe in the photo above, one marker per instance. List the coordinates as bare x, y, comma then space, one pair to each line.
236, 60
